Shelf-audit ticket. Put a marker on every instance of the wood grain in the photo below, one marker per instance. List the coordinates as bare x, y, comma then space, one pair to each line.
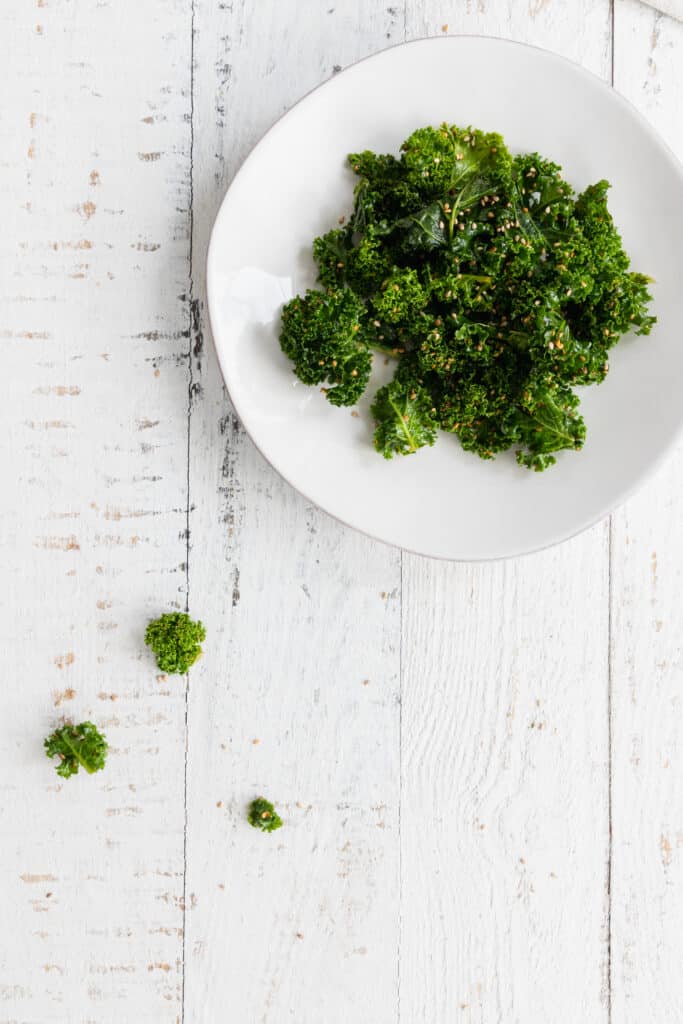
647, 671
297, 697
94, 271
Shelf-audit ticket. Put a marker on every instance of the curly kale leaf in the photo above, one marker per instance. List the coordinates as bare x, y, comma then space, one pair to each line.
424, 229
77, 746
445, 161
361, 264
401, 298
619, 298
321, 334
543, 193
404, 419
382, 194
176, 641
546, 421
262, 815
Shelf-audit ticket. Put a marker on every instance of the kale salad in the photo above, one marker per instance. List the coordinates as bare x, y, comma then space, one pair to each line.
498, 291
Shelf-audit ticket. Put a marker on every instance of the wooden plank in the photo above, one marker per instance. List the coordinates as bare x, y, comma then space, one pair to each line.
296, 697
647, 538
95, 191
504, 810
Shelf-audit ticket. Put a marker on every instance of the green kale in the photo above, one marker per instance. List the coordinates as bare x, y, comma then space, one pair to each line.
545, 421
262, 815
321, 334
458, 162
404, 419
495, 287
176, 641
77, 746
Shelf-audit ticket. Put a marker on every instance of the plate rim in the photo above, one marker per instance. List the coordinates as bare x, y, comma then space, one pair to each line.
627, 492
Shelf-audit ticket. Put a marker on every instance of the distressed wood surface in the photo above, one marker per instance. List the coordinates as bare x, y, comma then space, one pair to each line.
647, 669
301, 679
95, 173
479, 766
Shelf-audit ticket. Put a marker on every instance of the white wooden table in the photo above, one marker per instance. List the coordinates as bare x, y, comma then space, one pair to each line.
480, 767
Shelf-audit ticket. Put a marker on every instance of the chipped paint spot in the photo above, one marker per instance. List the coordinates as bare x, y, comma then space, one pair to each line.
58, 697
109, 540
57, 543
94, 177
116, 514
86, 210
665, 850
33, 879
64, 660
81, 243
48, 424
149, 157
58, 389
28, 335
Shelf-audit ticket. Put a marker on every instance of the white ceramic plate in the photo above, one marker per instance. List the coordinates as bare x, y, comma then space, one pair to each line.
295, 184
